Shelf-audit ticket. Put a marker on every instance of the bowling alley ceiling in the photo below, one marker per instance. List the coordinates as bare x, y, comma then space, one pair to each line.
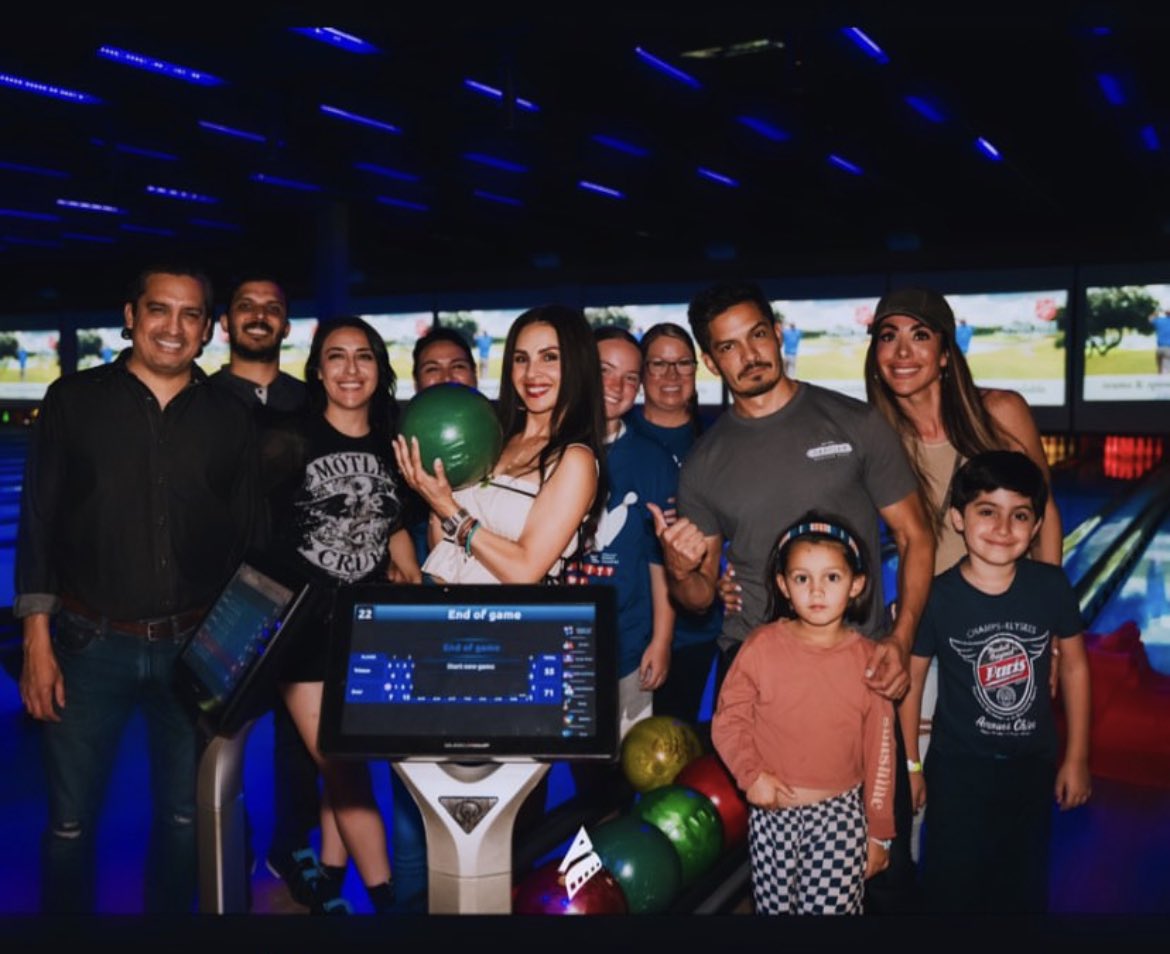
482, 146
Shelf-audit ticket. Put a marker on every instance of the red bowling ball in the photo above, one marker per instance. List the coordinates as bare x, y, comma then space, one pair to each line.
543, 892
708, 774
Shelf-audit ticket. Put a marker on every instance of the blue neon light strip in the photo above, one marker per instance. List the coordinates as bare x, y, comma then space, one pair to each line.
39, 243
336, 38
496, 197
846, 165
1111, 89
147, 153
494, 93
403, 203
765, 129
34, 216
494, 162
621, 145
46, 89
387, 172
162, 67
987, 149
925, 109
231, 131
82, 237
169, 193
283, 183
90, 206
34, 170
216, 224
147, 230
672, 71
1150, 138
359, 119
600, 189
717, 177
867, 46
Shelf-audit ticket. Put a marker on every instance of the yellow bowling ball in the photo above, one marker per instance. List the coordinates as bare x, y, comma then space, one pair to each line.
656, 749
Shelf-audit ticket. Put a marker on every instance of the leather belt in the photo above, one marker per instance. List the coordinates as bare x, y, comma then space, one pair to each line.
152, 630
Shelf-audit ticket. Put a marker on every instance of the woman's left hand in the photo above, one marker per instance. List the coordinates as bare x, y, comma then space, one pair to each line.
433, 488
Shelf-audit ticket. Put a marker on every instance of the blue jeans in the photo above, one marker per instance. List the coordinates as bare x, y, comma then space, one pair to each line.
107, 675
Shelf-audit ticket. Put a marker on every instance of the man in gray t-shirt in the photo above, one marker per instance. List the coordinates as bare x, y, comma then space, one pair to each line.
782, 449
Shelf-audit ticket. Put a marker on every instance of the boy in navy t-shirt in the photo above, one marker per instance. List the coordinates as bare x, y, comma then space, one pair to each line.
994, 621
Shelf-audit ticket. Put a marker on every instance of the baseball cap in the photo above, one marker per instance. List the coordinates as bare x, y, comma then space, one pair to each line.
925, 304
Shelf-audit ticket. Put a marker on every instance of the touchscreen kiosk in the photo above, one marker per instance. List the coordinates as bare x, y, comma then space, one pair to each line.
472, 672
223, 670
472, 689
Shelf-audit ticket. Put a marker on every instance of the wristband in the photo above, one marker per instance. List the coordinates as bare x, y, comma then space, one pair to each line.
913, 766
454, 524
883, 842
470, 534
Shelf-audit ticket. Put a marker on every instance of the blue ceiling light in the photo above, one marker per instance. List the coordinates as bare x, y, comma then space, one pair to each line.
83, 237
495, 162
629, 148
663, 67
34, 170
90, 206
387, 172
359, 119
295, 184
845, 165
38, 243
765, 129
46, 89
496, 197
147, 230
217, 224
168, 193
865, 44
988, 149
484, 89
162, 67
1150, 138
403, 203
600, 189
33, 216
717, 177
231, 131
145, 153
1101, 30
1111, 89
337, 39
925, 109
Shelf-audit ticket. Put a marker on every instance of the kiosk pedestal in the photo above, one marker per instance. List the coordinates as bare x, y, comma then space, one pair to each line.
468, 811
221, 828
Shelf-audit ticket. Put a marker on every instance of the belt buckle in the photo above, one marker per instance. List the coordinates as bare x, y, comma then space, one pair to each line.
159, 629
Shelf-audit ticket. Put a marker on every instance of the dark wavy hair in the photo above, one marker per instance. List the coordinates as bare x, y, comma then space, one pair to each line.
578, 415
383, 409
779, 605
999, 470
714, 300
668, 329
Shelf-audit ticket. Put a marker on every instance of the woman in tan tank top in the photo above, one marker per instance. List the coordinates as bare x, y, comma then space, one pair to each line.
919, 379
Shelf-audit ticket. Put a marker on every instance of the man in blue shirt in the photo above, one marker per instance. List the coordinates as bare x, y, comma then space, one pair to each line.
1161, 322
791, 342
963, 335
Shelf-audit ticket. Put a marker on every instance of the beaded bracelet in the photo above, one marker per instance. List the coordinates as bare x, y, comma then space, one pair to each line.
470, 534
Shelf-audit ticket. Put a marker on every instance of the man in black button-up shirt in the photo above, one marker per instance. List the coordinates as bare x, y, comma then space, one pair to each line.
140, 498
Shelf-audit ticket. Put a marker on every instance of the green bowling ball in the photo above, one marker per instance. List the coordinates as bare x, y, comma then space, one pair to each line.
656, 749
642, 860
691, 823
458, 425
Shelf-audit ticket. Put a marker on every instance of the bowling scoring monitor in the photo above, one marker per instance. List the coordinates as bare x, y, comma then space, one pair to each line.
473, 672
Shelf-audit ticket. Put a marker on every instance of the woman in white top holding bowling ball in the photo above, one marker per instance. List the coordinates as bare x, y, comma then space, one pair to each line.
543, 495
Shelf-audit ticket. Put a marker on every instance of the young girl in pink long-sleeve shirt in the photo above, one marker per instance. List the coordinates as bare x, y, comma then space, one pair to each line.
809, 743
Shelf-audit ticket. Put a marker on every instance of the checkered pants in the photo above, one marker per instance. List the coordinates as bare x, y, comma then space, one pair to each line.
809, 859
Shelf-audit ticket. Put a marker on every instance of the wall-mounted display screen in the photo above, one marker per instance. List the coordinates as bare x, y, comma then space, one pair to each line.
28, 364
400, 332
1127, 343
824, 341
487, 330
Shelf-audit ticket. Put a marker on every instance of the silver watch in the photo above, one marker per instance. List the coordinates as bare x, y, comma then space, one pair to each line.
450, 525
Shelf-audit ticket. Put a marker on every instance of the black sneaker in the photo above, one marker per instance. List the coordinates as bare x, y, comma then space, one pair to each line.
301, 873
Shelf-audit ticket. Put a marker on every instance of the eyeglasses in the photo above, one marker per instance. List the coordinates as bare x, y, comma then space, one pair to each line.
684, 367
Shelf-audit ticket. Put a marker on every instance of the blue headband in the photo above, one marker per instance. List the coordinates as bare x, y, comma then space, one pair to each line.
822, 528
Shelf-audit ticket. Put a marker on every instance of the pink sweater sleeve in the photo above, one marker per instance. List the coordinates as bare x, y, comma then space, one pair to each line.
733, 724
880, 753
